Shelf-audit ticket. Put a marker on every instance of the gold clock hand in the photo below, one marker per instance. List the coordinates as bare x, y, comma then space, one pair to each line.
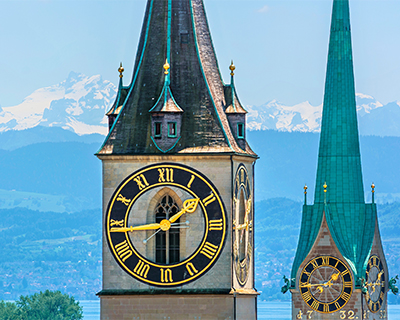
151, 226
189, 206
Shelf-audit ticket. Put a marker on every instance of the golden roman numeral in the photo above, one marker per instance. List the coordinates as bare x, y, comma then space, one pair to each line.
142, 269
306, 296
209, 199
325, 261
345, 272
124, 200
314, 263
189, 185
123, 250
347, 285
326, 308
374, 261
215, 225
166, 175
141, 182
166, 275
191, 269
315, 305
337, 305
209, 250
345, 296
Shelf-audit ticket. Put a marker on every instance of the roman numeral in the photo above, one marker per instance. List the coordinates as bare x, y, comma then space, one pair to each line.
315, 305
314, 263
124, 200
326, 308
215, 225
345, 272
141, 182
307, 296
347, 285
142, 269
345, 296
191, 269
325, 261
189, 185
166, 275
209, 250
123, 250
166, 175
337, 305
209, 199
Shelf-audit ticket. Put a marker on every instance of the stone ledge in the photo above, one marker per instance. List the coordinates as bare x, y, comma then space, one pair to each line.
111, 292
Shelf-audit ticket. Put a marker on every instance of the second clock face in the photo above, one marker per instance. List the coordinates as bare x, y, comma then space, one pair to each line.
326, 284
166, 225
375, 276
242, 225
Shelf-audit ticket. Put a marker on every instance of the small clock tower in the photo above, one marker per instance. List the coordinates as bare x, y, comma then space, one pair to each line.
339, 271
178, 180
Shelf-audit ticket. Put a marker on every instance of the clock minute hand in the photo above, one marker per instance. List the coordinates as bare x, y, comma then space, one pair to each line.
189, 206
151, 226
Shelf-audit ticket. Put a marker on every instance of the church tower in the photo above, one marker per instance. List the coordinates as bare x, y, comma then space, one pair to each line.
178, 180
339, 271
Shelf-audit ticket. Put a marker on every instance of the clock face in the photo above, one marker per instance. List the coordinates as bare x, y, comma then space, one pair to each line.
242, 225
166, 225
326, 284
375, 276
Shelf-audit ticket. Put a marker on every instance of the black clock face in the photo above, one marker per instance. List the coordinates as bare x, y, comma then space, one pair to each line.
375, 276
242, 225
138, 239
326, 284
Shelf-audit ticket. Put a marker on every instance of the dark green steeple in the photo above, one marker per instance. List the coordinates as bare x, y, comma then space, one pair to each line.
188, 92
350, 221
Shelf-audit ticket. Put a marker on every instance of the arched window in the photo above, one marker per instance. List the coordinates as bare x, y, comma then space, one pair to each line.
167, 242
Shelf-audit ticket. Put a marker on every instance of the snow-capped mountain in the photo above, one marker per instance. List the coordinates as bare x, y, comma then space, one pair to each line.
374, 118
78, 103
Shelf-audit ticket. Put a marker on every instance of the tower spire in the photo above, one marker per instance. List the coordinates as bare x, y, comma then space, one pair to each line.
175, 33
350, 221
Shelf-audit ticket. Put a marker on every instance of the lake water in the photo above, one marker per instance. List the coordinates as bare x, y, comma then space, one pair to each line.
266, 310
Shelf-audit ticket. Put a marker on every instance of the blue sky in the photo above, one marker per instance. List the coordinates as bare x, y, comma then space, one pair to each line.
279, 47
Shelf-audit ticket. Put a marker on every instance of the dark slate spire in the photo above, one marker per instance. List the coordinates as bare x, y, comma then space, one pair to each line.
350, 221
190, 92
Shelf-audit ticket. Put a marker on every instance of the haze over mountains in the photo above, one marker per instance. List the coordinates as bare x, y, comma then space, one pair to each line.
79, 104
50, 186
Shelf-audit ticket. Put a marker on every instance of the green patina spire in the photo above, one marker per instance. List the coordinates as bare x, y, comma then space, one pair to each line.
350, 221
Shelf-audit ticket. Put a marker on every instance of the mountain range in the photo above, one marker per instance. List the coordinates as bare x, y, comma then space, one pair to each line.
79, 104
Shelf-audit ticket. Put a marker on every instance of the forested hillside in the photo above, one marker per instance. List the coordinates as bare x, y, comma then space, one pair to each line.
61, 251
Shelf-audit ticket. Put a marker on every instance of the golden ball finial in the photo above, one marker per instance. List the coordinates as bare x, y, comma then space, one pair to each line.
305, 188
325, 186
232, 68
166, 66
120, 70
373, 187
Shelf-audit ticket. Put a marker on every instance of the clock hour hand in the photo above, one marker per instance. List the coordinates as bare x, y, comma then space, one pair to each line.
189, 206
151, 226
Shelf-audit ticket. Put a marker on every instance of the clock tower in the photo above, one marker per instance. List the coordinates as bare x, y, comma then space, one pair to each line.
178, 180
339, 271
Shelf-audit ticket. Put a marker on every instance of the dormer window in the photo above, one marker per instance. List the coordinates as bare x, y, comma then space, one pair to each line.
171, 129
157, 130
240, 131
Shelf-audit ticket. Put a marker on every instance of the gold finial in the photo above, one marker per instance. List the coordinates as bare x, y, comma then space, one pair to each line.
373, 187
120, 70
166, 66
325, 186
232, 68
305, 189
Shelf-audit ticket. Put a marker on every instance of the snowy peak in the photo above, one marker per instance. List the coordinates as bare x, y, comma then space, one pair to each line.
78, 103
374, 118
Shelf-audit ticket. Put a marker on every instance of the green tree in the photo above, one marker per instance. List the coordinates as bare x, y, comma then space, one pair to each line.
46, 305
8, 311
